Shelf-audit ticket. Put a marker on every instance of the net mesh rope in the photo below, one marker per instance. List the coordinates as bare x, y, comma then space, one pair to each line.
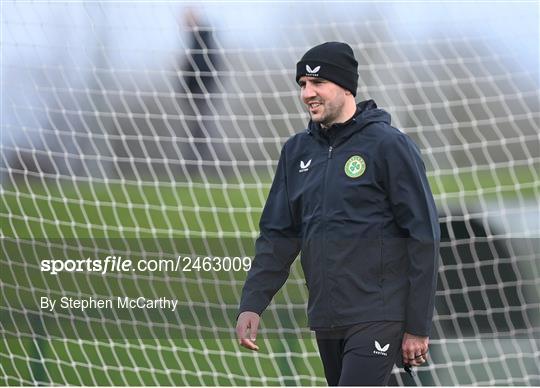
118, 140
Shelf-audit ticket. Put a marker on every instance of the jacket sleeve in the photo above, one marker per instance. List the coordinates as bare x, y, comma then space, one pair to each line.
414, 210
275, 249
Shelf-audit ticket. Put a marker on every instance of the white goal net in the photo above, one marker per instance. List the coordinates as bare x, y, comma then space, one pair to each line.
138, 145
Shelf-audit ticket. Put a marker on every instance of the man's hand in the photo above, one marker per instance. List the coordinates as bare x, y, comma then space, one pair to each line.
414, 349
247, 321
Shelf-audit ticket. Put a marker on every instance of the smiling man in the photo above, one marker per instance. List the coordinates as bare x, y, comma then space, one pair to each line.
351, 194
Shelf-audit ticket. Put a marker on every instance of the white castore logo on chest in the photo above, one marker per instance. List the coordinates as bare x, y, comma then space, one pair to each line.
304, 166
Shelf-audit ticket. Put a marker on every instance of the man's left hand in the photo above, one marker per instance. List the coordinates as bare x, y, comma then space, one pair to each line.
414, 349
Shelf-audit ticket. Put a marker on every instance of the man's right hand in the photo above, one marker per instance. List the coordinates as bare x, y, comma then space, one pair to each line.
248, 321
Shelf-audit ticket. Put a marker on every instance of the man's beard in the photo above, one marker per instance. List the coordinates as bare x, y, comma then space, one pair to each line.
328, 118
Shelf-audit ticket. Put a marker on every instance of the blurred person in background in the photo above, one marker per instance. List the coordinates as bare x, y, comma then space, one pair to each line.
198, 81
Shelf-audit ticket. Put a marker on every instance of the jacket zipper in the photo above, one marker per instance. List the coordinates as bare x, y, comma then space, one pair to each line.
330, 309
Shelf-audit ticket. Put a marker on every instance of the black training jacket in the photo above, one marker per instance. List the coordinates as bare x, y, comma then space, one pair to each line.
358, 206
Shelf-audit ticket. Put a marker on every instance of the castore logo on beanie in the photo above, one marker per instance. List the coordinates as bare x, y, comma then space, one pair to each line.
313, 72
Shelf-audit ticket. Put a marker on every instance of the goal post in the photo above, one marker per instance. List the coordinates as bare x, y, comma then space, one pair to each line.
139, 142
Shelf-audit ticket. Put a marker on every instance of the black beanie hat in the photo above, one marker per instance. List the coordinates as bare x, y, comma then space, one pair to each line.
333, 61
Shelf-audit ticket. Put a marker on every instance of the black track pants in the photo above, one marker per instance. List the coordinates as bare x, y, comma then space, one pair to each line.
363, 354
